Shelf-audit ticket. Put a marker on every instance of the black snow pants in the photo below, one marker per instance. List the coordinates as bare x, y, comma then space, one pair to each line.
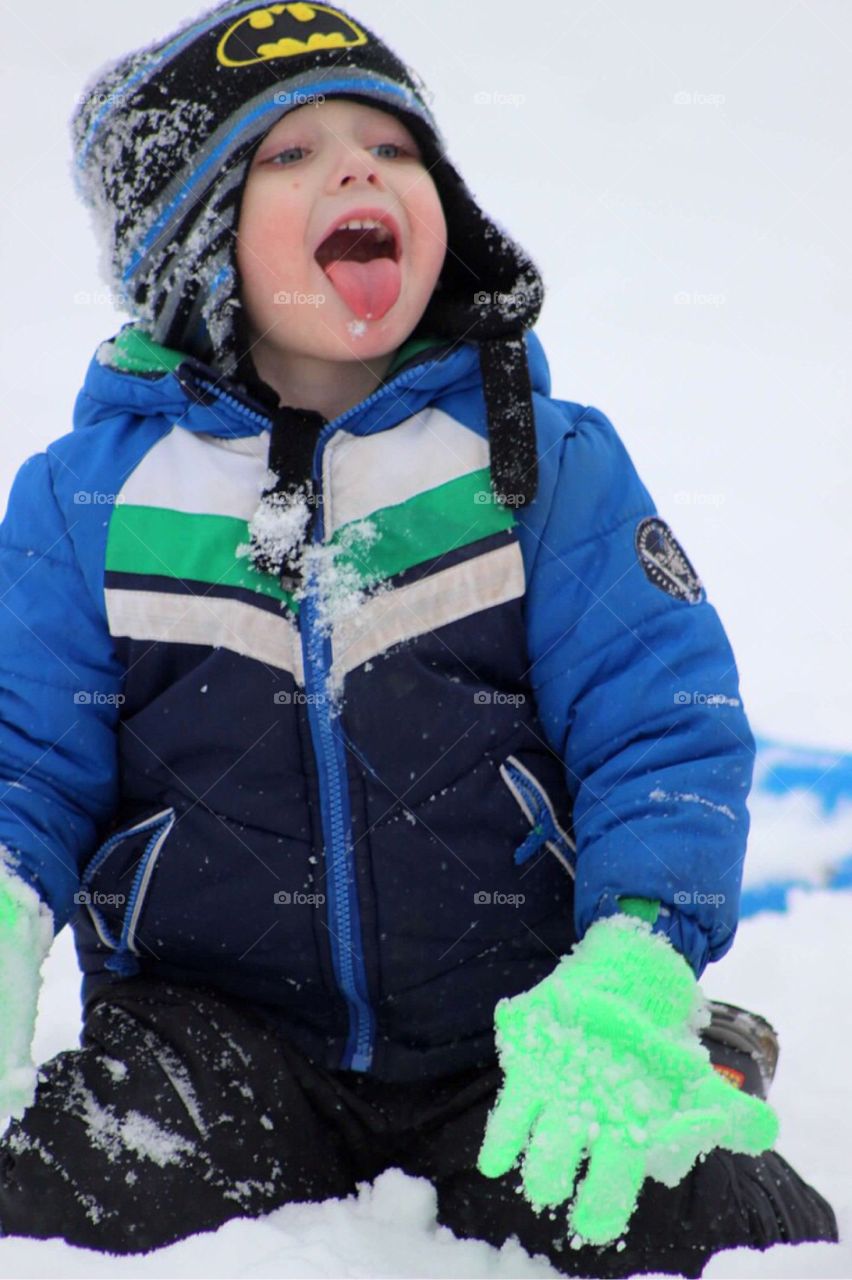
181, 1111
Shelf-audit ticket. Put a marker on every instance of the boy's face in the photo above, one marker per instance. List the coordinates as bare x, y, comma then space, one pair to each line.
359, 294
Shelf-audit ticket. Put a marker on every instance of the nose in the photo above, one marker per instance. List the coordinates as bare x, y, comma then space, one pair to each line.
355, 166
370, 177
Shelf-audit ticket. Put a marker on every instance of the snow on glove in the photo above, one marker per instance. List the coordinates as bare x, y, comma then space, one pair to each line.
26, 934
602, 1059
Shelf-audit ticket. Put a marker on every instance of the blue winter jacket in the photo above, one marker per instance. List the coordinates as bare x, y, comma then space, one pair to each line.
371, 810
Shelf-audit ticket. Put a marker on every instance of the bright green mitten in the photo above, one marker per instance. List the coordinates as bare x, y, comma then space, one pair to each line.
26, 934
602, 1059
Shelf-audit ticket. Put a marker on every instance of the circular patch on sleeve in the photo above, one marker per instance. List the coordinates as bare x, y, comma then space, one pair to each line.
665, 562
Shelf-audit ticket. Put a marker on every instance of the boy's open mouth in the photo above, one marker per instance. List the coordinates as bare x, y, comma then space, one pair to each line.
361, 256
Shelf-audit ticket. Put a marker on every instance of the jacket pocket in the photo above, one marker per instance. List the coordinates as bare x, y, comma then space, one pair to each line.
539, 812
115, 915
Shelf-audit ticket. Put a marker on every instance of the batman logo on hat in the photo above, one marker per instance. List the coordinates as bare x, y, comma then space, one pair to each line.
285, 31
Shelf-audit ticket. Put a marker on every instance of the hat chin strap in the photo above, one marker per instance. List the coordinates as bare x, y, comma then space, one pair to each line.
511, 423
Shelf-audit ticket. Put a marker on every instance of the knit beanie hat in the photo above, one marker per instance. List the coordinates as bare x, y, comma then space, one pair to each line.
163, 140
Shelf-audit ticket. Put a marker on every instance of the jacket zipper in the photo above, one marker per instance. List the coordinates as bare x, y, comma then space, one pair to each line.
343, 913
343, 909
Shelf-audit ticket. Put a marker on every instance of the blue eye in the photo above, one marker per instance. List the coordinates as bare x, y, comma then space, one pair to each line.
277, 159
292, 154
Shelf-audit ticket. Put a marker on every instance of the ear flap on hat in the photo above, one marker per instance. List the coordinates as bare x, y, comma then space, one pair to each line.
490, 292
490, 288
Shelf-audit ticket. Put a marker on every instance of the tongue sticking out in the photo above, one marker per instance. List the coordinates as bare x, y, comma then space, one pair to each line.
369, 289
361, 263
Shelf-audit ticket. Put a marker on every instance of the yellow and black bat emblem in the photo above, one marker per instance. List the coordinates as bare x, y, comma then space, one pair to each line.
284, 31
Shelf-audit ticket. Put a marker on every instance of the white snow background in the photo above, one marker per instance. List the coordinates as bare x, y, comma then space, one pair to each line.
681, 174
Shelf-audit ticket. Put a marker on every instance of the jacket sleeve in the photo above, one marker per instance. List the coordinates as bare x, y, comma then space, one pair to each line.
637, 690
59, 697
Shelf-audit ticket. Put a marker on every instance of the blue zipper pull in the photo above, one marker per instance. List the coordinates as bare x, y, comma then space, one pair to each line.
536, 839
123, 962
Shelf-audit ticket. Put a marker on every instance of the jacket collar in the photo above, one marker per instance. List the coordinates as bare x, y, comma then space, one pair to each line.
132, 373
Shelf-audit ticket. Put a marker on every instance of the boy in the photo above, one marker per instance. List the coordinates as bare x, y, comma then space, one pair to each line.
368, 713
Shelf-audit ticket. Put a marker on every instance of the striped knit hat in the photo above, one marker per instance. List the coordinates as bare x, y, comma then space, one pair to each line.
163, 140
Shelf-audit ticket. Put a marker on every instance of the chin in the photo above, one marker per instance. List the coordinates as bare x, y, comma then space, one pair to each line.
377, 338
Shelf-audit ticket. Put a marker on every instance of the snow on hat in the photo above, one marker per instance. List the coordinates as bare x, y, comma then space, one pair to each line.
163, 140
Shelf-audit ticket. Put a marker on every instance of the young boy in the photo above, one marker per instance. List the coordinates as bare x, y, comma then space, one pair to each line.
343, 705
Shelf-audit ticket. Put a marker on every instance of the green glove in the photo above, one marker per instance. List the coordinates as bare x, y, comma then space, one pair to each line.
26, 934
603, 1059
